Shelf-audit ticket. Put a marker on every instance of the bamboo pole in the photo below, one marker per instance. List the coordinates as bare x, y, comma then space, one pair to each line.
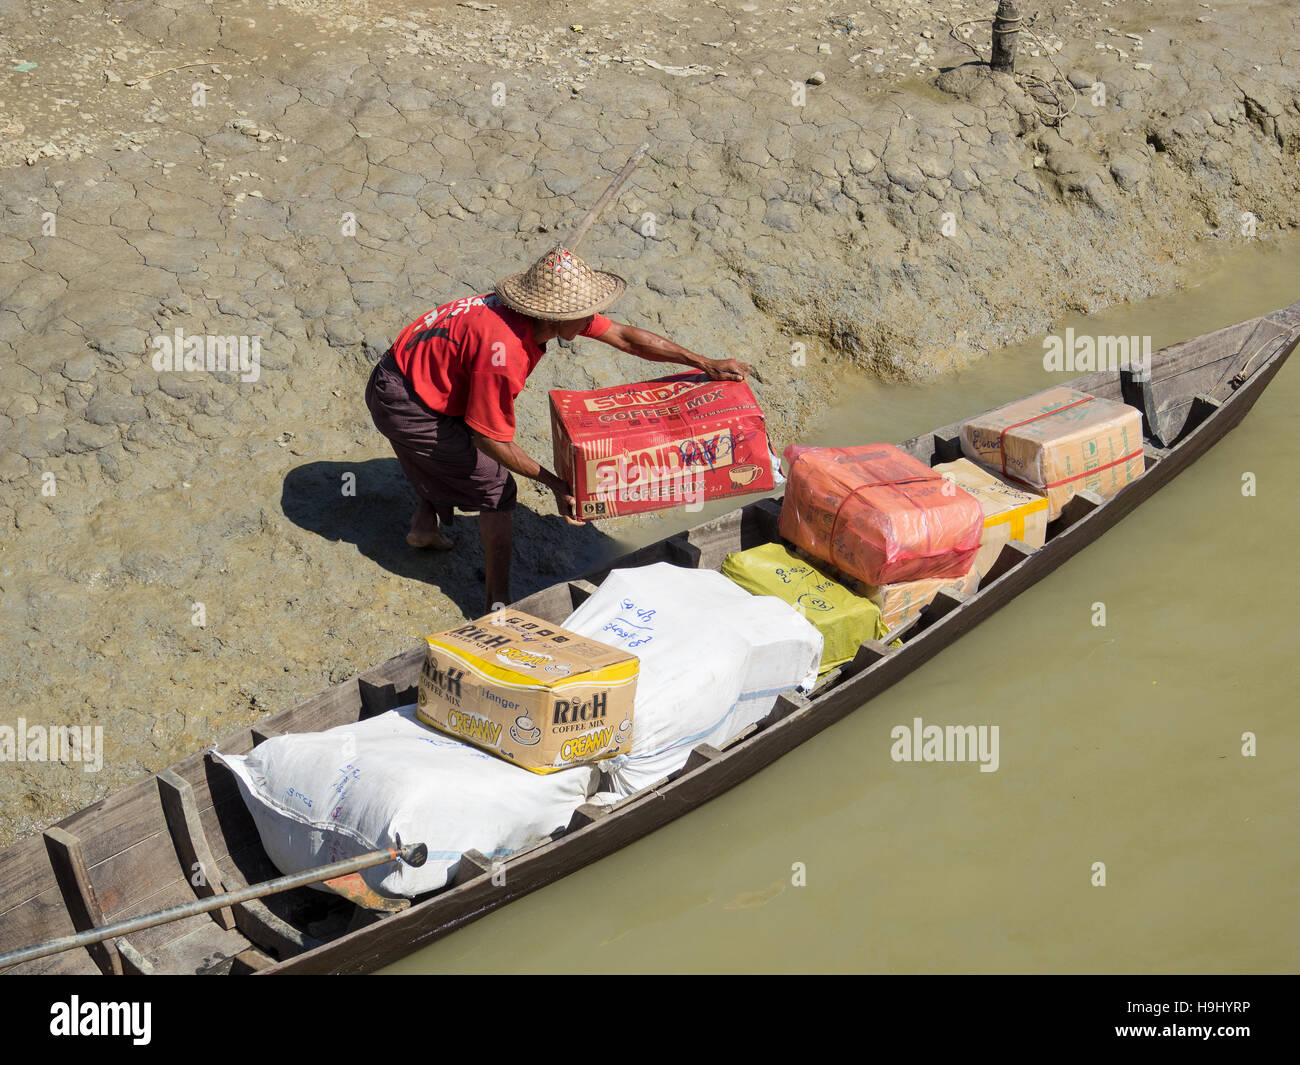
580, 230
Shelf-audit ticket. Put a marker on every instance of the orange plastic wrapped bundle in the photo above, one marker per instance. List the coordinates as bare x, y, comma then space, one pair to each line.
878, 514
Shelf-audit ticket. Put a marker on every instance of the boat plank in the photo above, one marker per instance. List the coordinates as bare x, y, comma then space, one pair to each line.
25, 872
209, 949
472, 864
339, 705
134, 963
117, 822
552, 604
251, 960
119, 882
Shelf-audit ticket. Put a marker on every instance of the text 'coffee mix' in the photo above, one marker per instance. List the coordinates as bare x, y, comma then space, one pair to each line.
528, 691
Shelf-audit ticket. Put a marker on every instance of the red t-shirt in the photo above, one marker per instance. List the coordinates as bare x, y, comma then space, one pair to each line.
470, 358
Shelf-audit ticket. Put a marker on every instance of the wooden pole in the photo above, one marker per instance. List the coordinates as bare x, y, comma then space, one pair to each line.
1006, 36
580, 230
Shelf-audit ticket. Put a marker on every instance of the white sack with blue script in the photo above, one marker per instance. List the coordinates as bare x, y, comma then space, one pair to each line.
321, 797
713, 660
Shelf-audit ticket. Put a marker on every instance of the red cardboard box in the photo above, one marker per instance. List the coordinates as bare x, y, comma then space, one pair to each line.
671, 442
878, 514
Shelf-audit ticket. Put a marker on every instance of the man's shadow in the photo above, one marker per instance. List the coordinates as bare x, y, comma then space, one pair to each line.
370, 504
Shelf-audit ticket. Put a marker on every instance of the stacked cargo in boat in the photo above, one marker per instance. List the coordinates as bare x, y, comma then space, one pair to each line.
898, 528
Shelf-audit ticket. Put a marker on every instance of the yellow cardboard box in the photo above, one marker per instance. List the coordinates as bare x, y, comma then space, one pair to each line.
1059, 442
1010, 513
529, 691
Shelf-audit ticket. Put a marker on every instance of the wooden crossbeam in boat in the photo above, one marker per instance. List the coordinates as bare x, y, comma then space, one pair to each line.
380, 698
258, 924
1203, 406
1012, 554
1135, 390
1078, 507
945, 601
766, 513
903, 631
68, 860
472, 864
701, 754
191, 842
681, 552
872, 651
586, 814
946, 447
1151, 454
251, 960
705, 546
827, 682
580, 591
868, 654
789, 702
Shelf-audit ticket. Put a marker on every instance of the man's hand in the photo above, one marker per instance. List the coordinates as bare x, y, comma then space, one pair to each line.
566, 504
727, 369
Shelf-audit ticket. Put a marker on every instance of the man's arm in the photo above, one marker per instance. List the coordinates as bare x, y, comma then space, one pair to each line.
515, 458
653, 348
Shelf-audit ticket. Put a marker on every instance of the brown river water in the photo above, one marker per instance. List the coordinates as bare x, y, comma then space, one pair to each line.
1119, 744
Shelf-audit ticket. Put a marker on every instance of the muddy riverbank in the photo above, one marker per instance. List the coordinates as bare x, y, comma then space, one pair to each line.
183, 552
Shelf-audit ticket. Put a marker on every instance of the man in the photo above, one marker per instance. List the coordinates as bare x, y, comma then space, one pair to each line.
444, 395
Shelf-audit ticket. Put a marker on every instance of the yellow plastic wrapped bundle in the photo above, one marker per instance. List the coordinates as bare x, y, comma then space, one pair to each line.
843, 619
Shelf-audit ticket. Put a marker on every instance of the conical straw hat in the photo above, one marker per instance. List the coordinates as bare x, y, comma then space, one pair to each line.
560, 287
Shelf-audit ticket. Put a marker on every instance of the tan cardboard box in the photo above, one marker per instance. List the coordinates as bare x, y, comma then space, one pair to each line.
1059, 442
529, 691
903, 600
1010, 513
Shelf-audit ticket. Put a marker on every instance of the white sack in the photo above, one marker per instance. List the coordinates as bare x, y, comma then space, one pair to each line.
320, 797
713, 659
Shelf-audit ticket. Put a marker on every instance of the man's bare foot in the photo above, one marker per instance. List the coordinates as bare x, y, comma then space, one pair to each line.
434, 539
424, 529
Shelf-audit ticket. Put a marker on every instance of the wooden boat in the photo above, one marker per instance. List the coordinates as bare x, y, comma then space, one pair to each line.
139, 850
